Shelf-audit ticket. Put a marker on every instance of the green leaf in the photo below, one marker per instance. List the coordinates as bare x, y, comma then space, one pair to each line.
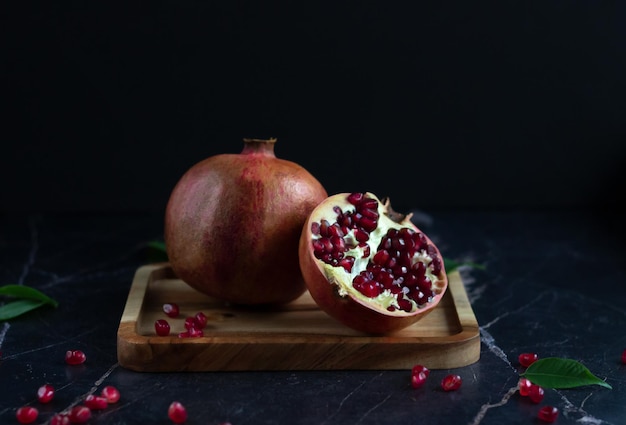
451, 265
28, 293
16, 308
553, 372
156, 251
157, 245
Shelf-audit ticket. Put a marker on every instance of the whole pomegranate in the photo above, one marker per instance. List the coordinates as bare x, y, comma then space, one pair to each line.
233, 221
369, 267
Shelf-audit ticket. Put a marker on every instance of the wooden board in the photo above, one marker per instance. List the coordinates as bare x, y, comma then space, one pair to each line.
298, 336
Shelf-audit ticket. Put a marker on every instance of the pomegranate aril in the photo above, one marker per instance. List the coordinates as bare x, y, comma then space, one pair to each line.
162, 327
451, 382
111, 393
171, 309
45, 393
524, 387
535, 393
75, 357
95, 402
418, 379
418, 368
80, 414
526, 359
548, 414
201, 320
26, 414
355, 198
177, 412
60, 419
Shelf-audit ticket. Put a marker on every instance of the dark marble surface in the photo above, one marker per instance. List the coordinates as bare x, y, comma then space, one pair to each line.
553, 284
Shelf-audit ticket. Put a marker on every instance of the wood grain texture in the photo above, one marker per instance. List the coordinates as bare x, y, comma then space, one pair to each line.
297, 336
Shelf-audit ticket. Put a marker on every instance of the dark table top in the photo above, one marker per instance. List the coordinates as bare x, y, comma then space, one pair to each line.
553, 284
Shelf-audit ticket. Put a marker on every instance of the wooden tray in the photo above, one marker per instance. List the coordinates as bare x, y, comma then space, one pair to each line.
298, 336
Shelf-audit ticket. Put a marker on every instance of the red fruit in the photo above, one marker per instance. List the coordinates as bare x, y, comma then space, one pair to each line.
60, 419
369, 267
177, 412
111, 394
75, 357
79, 414
162, 327
95, 402
233, 221
548, 414
26, 414
524, 387
45, 393
451, 382
535, 393
201, 320
526, 359
419, 374
171, 309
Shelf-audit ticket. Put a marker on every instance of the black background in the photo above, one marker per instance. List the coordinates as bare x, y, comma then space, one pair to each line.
435, 104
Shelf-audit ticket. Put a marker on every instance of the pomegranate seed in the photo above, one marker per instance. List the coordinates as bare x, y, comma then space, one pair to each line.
60, 419
524, 387
624, 357
79, 414
201, 320
171, 309
548, 414
111, 394
451, 382
95, 402
190, 322
75, 357
26, 414
419, 374
162, 327
535, 393
45, 393
177, 412
526, 359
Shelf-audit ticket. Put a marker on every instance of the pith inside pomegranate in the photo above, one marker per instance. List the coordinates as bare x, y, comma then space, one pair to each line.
368, 266
233, 221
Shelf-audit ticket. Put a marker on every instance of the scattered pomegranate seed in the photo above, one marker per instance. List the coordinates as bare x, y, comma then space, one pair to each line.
190, 322
524, 387
624, 357
45, 393
95, 402
171, 309
548, 414
60, 419
75, 357
201, 320
26, 414
79, 414
162, 327
451, 382
535, 393
191, 333
111, 394
177, 412
526, 359
419, 374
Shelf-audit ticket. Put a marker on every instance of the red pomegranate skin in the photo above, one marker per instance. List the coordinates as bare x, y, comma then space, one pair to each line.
233, 222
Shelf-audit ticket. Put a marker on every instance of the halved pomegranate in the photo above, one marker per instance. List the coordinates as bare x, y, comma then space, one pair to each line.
369, 267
